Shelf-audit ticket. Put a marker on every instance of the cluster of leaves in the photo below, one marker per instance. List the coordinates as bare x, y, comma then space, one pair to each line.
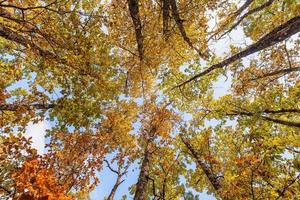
35, 182
23, 174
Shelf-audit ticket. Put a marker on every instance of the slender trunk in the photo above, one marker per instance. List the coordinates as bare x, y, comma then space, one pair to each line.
119, 180
114, 189
213, 178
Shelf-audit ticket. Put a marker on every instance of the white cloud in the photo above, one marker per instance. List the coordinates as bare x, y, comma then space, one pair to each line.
37, 132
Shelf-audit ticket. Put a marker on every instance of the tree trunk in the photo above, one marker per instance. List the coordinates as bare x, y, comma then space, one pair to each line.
141, 186
213, 178
114, 189
135, 16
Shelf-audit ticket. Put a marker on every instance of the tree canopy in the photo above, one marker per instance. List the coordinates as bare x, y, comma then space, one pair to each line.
133, 83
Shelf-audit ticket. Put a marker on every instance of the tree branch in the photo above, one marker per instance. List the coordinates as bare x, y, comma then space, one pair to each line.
278, 121
243, 7
153, 186
282, 71
9, 34
28, 8
250, 12
14, 107
277, 35
109, 166
180, 26
281, 193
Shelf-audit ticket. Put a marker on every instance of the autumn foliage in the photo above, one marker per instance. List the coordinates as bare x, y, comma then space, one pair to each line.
34, 182
183, 96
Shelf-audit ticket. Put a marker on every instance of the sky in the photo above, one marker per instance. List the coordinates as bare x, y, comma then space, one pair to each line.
37, 133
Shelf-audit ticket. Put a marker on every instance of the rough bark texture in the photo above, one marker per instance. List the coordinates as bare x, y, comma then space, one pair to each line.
277, 35
214, 179
141, 186
135, 16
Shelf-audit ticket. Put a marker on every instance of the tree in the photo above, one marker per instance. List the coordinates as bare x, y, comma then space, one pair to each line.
117, 80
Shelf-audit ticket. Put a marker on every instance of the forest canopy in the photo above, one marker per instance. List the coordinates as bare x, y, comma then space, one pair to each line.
133, 84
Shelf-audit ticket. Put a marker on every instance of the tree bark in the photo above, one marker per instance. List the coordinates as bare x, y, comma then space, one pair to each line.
213, 179
114, 189
135, 16
141, 186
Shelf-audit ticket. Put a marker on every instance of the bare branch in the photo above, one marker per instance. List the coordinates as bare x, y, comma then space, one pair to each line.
281, 193
283, 110
243, 7
110, 168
